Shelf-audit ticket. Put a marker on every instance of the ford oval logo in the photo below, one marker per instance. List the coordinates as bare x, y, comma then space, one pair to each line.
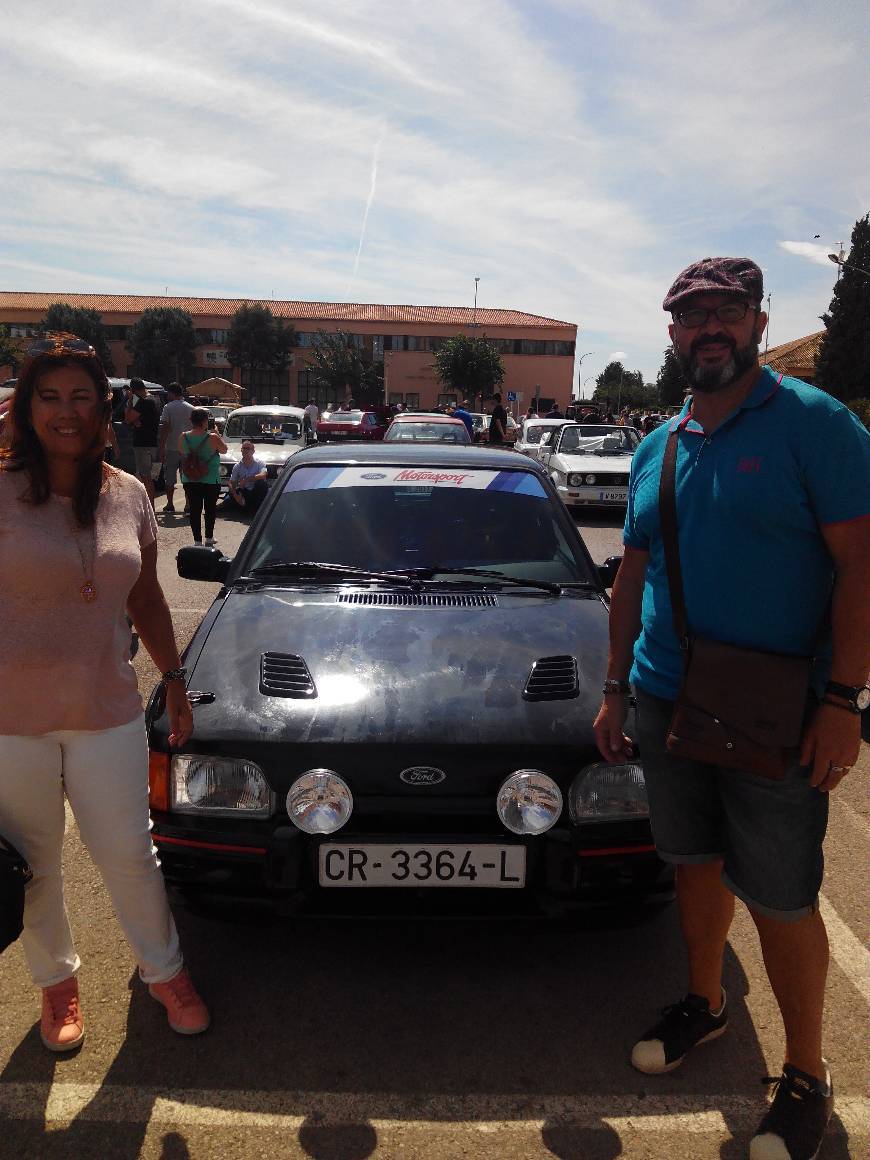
422, 775
374, 475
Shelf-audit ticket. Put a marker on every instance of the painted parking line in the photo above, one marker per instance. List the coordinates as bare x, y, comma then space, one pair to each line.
847, 951
61, 1103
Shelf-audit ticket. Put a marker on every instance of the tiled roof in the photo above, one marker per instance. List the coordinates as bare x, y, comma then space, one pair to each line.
800, 352
298, 311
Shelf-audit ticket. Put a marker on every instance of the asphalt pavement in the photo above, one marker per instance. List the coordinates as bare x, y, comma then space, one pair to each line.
416, 1039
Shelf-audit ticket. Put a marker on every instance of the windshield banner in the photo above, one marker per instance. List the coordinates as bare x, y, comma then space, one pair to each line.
450, 478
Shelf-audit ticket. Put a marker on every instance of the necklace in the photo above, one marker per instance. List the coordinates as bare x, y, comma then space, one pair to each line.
88, 590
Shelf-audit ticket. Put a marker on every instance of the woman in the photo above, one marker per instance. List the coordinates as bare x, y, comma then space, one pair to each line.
78, 552
204, 490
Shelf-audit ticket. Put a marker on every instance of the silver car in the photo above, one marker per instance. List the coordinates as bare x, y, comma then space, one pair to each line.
276, 433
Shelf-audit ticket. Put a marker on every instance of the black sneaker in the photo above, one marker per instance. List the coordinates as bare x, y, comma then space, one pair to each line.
682, 1027
796, 1121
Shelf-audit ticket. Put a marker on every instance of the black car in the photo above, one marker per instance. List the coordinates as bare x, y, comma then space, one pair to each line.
394, 690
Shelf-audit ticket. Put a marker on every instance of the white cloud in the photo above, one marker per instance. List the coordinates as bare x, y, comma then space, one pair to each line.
812, 251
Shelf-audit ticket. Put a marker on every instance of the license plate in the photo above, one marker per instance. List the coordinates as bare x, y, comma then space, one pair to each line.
612, 496
382, 864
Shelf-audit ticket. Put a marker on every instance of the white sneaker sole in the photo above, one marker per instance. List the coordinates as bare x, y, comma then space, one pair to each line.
59, 1048
714, 1034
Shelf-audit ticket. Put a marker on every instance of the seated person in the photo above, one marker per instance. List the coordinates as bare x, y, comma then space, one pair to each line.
247, 483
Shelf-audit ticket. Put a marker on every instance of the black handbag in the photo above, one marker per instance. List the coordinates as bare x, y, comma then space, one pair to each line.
14, 876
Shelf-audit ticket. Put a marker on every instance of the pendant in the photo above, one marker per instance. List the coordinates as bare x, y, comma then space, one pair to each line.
89, 592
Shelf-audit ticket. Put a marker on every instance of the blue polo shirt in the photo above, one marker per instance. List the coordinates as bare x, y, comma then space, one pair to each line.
750, 501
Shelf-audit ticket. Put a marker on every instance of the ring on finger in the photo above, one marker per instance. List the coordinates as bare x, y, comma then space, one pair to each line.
838, 768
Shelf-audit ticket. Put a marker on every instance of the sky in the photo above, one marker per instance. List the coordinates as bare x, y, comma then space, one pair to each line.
574, 155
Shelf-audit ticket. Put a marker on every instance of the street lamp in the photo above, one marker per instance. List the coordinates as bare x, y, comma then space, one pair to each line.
838, 260
580, 366
476, 280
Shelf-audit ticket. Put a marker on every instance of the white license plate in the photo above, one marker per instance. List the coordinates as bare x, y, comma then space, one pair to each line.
612, 496
412, 864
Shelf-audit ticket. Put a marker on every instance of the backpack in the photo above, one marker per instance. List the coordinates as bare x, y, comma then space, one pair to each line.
193, 466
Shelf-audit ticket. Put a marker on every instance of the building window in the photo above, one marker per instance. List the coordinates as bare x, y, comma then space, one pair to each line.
445, 400
265, 387
117, 333
23, 330
327, 398
412, 400
377, 346
396, 397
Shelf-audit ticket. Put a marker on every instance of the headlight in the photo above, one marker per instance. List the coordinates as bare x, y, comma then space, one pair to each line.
608, 793
529, 802
218, 786
226, 468
575, 479
319, 802
590, 478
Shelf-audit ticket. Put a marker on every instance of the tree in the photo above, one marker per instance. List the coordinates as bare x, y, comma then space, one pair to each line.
843, 364
338, 365
162, 344
469, 366
86, 324
11, 353
670, 383
259, 341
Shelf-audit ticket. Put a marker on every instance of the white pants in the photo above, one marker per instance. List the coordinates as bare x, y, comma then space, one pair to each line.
104, 775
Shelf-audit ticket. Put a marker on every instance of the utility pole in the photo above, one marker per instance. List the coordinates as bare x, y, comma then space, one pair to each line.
476, 280
767, 328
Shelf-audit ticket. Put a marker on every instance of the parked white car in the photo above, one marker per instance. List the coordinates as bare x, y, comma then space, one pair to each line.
589, 463
532, 431
276, 432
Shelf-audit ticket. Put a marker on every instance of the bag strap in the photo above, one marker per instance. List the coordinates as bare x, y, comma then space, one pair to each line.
196, 450
670, 538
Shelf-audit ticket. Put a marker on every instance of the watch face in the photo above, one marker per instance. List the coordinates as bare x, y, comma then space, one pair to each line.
863, 699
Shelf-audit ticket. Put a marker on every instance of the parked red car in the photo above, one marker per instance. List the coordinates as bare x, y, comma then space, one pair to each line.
343, 426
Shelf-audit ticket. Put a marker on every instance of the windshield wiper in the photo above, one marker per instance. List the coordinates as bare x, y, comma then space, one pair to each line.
320, 567
501, 577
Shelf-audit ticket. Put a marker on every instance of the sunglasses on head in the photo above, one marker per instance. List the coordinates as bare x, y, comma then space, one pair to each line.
62, 345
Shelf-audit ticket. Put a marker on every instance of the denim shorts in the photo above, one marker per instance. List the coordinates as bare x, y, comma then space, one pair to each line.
768, 834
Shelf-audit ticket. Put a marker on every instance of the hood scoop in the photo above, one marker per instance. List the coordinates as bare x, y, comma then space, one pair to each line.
552, 679
285, 675
420, 599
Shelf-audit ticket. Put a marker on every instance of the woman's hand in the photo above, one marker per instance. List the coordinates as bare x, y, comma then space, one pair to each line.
180, 714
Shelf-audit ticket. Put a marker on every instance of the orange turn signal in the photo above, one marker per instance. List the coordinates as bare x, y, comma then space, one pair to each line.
158, 780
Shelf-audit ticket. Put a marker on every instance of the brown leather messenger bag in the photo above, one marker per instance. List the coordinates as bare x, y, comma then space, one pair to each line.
742, 708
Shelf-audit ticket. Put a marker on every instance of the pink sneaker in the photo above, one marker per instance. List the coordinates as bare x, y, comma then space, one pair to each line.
61, 1027
188, 1015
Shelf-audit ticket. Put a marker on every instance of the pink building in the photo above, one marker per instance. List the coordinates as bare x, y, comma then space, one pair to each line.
538, 353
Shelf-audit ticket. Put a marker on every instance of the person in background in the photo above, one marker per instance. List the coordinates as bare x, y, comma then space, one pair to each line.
143, 415
463, 412
309, 423
554, 412
203, 491
174, 421
78, 553
247, 484
498, 422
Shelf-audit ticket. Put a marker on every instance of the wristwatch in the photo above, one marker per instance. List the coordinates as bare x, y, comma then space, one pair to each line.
173, 675
858, 696
613, 686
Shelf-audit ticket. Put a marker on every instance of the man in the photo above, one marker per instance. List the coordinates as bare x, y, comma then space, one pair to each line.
312, 414
498, 422
771, 544
174, 421
462, 412
143, 416
247, 482
554, 412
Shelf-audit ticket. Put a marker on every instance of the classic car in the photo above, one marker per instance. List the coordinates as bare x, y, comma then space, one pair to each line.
342, 426
365, 723
532, 431
589, 464
275, 430
427, 429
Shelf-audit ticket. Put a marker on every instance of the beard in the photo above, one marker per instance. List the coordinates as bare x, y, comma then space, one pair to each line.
708, 380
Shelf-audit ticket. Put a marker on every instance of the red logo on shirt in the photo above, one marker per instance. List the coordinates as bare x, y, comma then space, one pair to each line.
749, 464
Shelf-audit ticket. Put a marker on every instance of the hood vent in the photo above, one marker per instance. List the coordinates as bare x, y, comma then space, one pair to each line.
285, 675
420, 599
552, 679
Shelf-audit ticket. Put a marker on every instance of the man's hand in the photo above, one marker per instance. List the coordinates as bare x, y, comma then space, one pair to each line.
831, 744
613, 745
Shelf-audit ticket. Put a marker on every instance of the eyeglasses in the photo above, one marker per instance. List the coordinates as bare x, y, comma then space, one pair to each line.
728, 312
62, 345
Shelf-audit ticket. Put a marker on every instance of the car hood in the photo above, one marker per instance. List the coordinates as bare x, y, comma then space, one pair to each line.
427, 675
596, 463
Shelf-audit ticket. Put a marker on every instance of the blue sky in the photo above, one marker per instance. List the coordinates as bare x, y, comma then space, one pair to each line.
572, 154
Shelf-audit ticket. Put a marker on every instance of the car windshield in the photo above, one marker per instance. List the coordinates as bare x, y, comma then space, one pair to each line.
533, 434
389, 518
262, 428
343, 417
427, 433
593, 440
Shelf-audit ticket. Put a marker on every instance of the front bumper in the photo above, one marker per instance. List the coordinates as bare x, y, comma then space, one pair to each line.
593, 495
278, 864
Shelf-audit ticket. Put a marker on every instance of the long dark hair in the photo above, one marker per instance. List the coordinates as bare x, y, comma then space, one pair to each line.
23, 451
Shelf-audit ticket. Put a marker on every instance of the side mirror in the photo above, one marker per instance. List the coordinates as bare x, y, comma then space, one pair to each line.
200, 563
607, 571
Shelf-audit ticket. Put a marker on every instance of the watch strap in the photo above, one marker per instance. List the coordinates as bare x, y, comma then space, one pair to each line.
850, 708
615, 686
173, 675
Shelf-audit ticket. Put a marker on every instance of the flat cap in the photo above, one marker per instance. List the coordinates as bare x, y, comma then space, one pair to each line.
717, 276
